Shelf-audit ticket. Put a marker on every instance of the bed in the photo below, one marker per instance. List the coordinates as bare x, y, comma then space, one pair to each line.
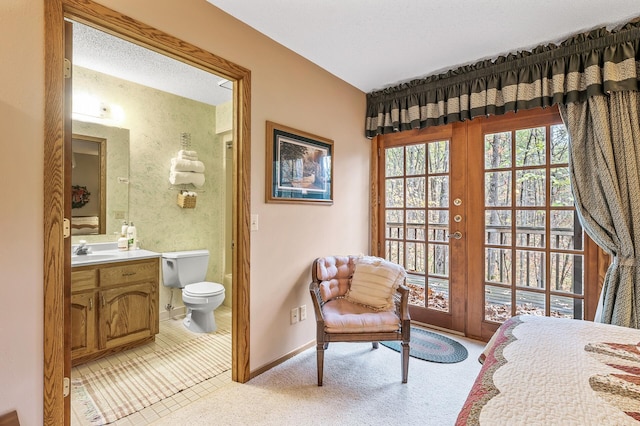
554, 371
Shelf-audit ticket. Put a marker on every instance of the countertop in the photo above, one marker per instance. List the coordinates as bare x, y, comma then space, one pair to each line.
109, 253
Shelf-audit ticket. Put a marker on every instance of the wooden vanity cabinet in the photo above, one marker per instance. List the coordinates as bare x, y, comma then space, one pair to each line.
114, 306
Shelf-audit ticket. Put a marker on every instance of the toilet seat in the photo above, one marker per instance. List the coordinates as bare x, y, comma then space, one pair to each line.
203, 289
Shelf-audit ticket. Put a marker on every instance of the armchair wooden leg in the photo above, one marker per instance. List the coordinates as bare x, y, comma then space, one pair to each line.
405, 361
320, 359
375, 345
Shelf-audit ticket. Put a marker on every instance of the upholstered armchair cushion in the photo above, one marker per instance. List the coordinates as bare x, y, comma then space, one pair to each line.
333, 274
342, 316
374, 283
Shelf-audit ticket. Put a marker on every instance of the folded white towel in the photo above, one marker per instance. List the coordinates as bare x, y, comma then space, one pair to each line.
181, 178
188, 155
181, 165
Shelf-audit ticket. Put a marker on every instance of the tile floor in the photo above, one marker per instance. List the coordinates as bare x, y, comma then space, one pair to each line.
172, 332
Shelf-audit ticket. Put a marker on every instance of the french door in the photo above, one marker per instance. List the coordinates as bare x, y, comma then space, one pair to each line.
481, 216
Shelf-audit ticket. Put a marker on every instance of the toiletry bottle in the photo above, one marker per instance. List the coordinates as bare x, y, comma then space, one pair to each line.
131, 236
123, 244
123, 233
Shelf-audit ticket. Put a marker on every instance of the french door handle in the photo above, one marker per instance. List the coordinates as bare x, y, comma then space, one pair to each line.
457, 235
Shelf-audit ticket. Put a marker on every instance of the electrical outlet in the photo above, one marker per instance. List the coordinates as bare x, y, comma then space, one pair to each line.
303, 312
294, 315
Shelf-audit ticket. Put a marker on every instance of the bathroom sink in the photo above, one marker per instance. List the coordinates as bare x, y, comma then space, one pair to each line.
93, 257
107, 253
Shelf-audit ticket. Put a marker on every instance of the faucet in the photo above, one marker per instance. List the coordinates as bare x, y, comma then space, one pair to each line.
82, 249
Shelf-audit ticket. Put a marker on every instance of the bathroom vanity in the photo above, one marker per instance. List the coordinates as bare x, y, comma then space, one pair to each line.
114, 302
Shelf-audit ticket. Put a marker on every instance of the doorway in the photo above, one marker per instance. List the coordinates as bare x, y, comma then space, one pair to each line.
57, 173
481, 216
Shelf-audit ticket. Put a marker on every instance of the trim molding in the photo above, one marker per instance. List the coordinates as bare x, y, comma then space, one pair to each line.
282, 359
57, 264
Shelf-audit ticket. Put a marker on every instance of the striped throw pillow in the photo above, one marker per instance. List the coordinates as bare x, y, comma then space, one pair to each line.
374, 282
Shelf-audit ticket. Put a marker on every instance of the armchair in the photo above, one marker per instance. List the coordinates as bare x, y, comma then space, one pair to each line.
340, 319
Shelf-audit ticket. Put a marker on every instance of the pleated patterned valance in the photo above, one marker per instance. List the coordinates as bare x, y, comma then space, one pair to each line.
587, 64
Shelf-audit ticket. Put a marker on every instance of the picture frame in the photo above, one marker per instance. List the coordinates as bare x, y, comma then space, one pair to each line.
299, 166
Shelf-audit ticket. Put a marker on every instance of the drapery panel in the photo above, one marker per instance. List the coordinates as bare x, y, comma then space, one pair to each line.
585, 65
605, 178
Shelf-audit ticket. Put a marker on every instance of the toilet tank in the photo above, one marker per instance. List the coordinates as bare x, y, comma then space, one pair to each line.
180, 268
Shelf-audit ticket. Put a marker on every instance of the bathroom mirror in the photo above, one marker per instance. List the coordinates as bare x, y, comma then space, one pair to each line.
99, 178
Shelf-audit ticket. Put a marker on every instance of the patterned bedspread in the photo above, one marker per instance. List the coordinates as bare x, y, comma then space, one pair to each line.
552, 371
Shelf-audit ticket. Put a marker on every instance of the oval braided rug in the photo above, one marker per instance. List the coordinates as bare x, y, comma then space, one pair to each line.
430, 346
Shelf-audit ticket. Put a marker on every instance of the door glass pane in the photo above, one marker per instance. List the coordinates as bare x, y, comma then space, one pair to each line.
438, 157
415, 257
559, 144
530, 188
530, 303
415, 283
498, 265
415, 225
530, 228
416, 158
497, 150
438, 225
438, 260
530, 268
531, 147
395, 225
564, 230
567, 272
497, 303
394, 193
438, 294
415, 192
497, 189
394, 251
566, 307
498, 227
394, 161
438, 191
561, 194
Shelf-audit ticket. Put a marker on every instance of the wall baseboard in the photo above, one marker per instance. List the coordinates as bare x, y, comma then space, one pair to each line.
280, 360
175, 312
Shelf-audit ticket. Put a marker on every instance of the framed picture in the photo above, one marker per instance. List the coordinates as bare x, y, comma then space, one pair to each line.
299, 166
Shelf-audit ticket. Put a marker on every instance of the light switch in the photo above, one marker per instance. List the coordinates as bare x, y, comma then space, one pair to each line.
254, 222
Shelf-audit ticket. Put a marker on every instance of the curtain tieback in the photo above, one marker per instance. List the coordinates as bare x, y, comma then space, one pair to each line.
624, 261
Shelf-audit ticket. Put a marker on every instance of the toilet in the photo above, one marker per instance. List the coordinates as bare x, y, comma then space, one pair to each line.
187, 270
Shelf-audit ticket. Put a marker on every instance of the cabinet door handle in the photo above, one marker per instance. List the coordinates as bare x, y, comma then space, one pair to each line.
102, 300
91, 303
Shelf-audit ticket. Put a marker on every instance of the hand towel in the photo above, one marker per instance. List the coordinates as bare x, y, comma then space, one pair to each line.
188, 155
181, 165
180, 178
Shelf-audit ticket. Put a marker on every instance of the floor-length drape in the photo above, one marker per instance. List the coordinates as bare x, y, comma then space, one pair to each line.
605, 174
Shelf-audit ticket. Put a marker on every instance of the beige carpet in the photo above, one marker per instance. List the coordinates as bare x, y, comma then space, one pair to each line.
361, 387
114, 392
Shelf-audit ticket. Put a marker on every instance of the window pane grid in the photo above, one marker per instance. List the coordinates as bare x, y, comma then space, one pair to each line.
533, 243
417, 219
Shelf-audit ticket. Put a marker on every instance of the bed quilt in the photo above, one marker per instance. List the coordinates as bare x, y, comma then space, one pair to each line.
552, 371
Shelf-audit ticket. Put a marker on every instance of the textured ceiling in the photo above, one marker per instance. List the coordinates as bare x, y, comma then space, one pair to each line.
110, 55
373, 44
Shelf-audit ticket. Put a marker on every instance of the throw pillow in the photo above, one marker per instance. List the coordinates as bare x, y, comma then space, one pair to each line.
374, 282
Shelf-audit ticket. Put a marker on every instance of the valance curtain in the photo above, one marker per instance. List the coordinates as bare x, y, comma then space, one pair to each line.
585, 65
594, 79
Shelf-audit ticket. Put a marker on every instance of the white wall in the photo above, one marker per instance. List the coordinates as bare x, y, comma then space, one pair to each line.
286, 89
